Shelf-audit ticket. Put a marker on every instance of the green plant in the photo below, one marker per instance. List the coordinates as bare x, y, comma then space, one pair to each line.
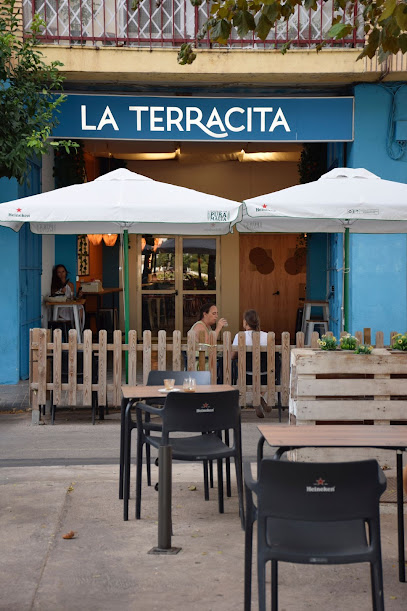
349, 342
328, 342
363, 349
28, 100
399, 342
384, 23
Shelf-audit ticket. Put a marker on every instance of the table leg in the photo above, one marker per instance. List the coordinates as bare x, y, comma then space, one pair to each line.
400, 516
164, 503
121, 474
77, 323
55, 312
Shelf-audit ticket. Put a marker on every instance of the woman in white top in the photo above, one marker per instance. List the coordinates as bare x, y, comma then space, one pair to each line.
61, 285
251, 322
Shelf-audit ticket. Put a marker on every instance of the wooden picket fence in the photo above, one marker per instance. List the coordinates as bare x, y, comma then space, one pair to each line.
46, 371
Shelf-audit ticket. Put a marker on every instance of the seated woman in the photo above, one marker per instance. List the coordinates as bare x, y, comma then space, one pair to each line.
208, 317
61, 285
251, 322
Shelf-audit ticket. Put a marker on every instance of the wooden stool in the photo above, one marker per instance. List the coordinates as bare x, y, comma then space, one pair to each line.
309, 323
310, 326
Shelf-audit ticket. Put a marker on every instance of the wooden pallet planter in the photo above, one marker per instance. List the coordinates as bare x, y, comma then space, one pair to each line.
342, 386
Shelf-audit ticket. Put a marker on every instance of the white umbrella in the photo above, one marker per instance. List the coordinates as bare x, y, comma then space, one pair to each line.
122, 202
343, 200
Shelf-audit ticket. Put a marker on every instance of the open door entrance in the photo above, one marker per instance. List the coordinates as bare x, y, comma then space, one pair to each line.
272, 279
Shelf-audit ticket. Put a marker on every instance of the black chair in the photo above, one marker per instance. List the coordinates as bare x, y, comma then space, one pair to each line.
207, 413
156, 378
313, 513
64, 325
79, 374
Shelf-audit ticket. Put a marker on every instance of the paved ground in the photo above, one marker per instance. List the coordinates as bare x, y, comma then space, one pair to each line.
55, 479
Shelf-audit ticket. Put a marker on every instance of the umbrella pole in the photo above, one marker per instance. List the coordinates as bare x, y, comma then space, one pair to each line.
126, 295
346, 280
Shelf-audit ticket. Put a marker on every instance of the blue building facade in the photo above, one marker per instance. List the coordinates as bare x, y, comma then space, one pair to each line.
378, 263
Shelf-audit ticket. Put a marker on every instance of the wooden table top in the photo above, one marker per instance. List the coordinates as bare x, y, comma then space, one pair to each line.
341, 435
152, 392
69, 302
103, 291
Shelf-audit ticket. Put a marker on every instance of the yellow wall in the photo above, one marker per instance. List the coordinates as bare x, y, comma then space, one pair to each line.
231, 179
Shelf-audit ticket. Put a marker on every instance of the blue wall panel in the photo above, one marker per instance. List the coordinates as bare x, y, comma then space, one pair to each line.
9, 296
65, 254
378, 271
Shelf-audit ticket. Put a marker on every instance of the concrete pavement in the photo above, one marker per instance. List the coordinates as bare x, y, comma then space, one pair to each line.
55, 479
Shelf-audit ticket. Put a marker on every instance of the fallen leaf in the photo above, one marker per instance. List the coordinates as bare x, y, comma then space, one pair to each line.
191, 488
71, 487
69, 535
385, 467
393, 597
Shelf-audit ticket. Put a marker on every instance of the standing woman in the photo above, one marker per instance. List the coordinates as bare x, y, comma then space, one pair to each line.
61, 285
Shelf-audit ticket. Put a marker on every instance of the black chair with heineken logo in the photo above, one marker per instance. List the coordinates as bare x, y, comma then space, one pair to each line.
313, 513
208, 415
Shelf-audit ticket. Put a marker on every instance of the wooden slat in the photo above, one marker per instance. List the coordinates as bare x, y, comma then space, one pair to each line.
359, 336
132, 358
57, 367
378, 411
379, 339
345, 388
87, 368
299, 339
367, 336
34, 335
227, 357
271, 368
42, 366
162, 350
392, 334
202, 352
146, 355
176, 351
191, 350
343, 361
117, 367
256, 364
72, 366
212, 357
314, 340
285, 368
241, 365
102, 366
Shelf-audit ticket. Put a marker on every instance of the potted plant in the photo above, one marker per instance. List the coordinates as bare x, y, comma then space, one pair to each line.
328, 342
399, 342
348, 342
363, 349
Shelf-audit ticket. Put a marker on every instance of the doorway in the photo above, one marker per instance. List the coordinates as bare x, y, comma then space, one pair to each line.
273, 279
175, 276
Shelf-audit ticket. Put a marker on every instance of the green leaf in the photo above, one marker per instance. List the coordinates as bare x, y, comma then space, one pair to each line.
400, 15
339, 31
272, 12
220, 32
389, 6
244, 22
311, 4
403, 43
263, 27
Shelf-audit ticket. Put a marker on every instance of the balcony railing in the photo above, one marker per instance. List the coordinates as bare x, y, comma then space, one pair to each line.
169, 23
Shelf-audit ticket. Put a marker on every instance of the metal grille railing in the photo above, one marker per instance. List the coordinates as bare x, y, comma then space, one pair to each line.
169, 23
